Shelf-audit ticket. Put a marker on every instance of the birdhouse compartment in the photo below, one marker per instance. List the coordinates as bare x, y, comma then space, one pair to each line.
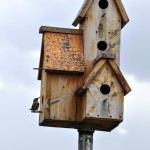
62, 63
102, 96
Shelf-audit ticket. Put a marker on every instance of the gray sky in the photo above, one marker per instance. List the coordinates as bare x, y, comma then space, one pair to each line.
20, 45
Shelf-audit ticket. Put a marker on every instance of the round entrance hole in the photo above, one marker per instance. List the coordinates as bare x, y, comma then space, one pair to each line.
102, 45
103, 4
105, 89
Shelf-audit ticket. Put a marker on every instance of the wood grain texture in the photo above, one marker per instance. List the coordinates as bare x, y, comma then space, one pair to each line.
101, 25
45, 87
124, 15
44, 29
87, 4
63, 87
82, 12
99, 105
103, 56
98, 67
120, 77
90, 77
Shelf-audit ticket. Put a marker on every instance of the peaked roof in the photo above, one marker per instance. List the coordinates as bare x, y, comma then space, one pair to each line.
95, 70
86, 5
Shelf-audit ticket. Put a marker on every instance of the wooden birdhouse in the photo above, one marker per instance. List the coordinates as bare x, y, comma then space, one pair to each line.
102, 96
102, 92
101, 21
60, 69
81, 83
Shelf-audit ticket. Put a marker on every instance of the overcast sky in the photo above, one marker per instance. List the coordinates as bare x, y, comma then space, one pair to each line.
20, 45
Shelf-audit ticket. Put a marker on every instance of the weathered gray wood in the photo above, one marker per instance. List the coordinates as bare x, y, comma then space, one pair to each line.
101, 25
101, 56
124, 15
38, 68
91, 107
90, 76
120, 77
44, 108
82, 12
86, 5
60, 30
96, 69
99, 105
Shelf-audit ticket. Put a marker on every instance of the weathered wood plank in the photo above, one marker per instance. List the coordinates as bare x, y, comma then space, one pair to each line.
124, 15
87, 4
90, 76
106, 28
82, 12
99, 105
63, 87
41, 60
52, 71
44, 29
103, 56
120, 77
45, 87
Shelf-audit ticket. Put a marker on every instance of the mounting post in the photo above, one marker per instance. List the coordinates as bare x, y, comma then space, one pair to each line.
85, 140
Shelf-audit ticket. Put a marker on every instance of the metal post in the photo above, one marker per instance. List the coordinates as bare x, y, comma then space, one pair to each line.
85, 140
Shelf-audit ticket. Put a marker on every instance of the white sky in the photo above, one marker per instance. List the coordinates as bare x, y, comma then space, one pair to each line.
20, 45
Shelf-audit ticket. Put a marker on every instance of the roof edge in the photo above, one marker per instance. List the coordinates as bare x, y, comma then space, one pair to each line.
125, 18
90, 77
94, 71
44, 29
82, 12
120, 77
87, 3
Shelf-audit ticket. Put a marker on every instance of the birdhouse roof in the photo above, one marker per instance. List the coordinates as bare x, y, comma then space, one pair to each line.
86, 5
95, 70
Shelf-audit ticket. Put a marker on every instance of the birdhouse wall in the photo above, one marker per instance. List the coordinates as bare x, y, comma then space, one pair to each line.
61, 63
59, 99
63, 88
101, 25
97, 104
44, 108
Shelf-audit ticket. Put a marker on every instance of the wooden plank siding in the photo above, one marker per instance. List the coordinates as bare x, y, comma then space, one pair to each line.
106, 28
108, 106
87, 4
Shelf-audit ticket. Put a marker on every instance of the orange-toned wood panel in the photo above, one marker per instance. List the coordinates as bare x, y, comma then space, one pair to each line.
63, 52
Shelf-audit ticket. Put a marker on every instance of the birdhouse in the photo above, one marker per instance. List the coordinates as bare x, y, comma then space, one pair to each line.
81, 83
60, 70
102, 92
102, 96
101, 21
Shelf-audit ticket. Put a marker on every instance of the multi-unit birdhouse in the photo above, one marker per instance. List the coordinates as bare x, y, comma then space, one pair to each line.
81, 83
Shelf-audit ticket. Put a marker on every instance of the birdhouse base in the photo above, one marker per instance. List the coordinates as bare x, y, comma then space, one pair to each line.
57, 123
98, 125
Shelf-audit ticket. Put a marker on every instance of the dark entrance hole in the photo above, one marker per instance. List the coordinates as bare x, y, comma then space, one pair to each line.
105, 89
103, 4
102, 45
